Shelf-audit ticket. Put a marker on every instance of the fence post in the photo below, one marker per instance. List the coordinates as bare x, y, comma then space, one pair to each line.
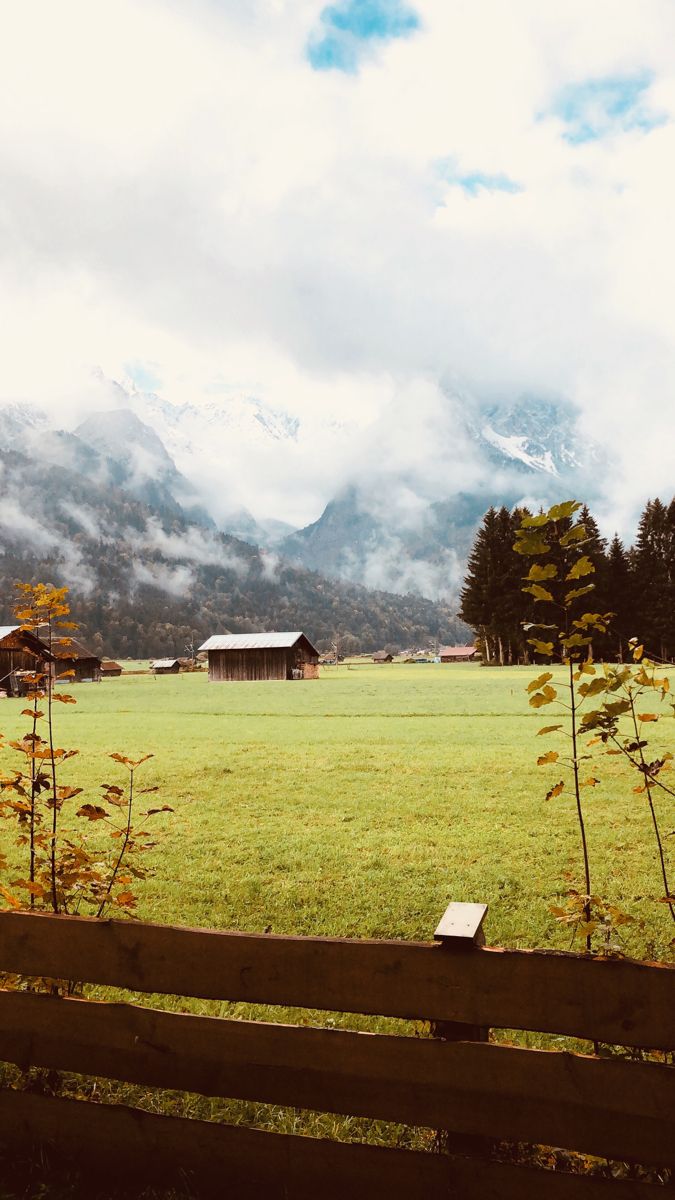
460, 931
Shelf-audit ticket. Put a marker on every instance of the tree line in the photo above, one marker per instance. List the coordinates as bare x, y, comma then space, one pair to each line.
636, 584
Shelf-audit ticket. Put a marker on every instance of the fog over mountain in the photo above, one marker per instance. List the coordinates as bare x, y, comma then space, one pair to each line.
408, 498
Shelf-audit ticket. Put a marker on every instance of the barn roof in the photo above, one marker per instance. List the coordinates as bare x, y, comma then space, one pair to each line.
109, 664
71, 648
456, 651
256, 641
24, 637
163, 662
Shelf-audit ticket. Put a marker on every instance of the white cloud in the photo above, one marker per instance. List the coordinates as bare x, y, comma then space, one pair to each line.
179, 187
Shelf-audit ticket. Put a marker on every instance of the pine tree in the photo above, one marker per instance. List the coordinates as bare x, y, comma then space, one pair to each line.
619, 591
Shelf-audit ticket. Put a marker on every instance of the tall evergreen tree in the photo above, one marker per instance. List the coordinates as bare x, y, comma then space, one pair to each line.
619, 593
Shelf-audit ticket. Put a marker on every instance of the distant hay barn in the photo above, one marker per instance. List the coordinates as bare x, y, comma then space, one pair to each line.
453, 654
381, 656
110, 669
248, 656
21, 654
72, 655
165, 666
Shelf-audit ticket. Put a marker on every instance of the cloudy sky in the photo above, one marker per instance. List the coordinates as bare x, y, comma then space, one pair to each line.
335, 207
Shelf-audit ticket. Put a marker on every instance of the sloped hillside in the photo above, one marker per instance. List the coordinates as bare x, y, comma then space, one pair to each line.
146, 579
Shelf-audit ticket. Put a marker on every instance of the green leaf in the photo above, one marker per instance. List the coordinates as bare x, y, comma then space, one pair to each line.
537, 572
576, 592
577, 533
538, 592
535, 684
583, 566
559, 512
532, 543
545, 648
534, 522
575, 639
594, 688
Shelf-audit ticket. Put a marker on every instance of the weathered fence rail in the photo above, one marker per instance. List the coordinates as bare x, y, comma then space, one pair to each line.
482, 1092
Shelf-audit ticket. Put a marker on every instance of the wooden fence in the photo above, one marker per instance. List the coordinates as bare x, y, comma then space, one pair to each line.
483, 1092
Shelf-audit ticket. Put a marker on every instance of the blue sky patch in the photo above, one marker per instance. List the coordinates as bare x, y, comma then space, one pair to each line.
350, 27
143, 375
474, 182
595, 108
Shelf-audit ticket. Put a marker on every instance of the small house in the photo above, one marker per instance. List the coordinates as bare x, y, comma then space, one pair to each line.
72, 655
165, 666
21, 655
248, 656
381, 656
454, 654
110, 669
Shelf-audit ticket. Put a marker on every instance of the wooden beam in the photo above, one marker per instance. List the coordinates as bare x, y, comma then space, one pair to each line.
133, 1145
462, 924
601, 999
614, 1108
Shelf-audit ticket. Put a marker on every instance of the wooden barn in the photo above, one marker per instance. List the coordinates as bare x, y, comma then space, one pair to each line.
453, 654
165, 666
20, 652
261, 656
72, 655
110, 669
381, 656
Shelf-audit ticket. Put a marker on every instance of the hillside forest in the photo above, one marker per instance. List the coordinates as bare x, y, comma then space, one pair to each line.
637, 585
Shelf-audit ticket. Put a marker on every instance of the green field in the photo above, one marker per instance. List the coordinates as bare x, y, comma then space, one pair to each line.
360, 804
357, 805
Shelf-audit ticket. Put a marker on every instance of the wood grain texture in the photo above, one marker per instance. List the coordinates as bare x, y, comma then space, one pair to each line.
245, 1163
612, 1108
607, 1000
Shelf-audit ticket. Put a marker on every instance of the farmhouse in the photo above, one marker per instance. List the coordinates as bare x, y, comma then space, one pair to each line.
261, 656
165, 666
381, 656
451, 654
110, 669
20, 652
71, 655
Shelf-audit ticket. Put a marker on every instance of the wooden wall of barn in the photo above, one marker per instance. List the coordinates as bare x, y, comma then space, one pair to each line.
85, 669
250, 664
17, 660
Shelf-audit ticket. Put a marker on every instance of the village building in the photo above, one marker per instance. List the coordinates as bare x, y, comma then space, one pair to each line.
165, 666
110, 669
21, 654
71, 655
261, 656
453, 654
381, 656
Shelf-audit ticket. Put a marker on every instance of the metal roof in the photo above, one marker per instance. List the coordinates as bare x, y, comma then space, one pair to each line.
456, 651
252, 641
163, 662
5, 630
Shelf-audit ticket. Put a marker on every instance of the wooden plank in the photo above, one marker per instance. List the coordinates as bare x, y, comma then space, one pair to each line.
606, 1000
613, 1108
461, 923
243, 1163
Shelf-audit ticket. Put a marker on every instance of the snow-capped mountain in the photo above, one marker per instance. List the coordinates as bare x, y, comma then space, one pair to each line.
416, 482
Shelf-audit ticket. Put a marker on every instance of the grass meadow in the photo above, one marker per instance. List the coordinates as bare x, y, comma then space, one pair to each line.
356, 805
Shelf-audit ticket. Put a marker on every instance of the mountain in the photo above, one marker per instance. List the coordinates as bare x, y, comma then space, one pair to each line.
147, 579
528, 451
417, 479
